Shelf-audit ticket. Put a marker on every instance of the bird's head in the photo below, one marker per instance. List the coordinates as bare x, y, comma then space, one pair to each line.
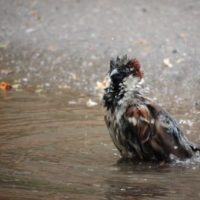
125, 73
124, 76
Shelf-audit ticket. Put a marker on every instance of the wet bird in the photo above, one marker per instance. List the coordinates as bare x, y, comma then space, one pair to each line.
138, 126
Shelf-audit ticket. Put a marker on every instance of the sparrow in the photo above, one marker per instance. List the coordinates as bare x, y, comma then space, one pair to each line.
137, 125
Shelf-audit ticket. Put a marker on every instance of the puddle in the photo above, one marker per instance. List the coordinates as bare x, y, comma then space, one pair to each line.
53, 149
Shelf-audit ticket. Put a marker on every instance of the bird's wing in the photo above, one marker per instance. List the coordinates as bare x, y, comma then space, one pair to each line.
152, 125
138, 128
139, 118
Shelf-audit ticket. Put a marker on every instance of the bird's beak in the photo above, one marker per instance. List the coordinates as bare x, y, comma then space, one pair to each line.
114, 71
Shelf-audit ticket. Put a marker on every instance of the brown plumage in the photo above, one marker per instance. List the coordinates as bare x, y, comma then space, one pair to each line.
135, 65
138, 126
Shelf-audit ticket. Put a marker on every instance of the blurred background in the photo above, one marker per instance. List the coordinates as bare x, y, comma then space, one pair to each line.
53, 53
55, 43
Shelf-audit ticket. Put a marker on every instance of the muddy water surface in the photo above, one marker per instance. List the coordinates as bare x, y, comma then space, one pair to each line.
55, 147
52, 146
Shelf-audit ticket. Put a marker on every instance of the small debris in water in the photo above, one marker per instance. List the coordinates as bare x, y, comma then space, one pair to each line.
72, 102
64, 86
34, 12
5, 86
47, 84
188, 132
73, 76
197, 103
6, 71
4, 45
175, 51
16, 86
91, 103
193, 167
142, 41
180, 60
30, 30
52, 48
39, 90
25, 79
96, 185
100, 85
167, 63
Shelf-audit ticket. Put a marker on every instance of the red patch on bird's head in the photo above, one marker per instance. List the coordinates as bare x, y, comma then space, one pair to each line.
135, 65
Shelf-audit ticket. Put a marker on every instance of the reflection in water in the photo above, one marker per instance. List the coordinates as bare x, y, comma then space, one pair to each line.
144, 180
120, 189
50, 148
135, 183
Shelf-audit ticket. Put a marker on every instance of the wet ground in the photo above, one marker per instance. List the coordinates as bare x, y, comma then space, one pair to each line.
55, 147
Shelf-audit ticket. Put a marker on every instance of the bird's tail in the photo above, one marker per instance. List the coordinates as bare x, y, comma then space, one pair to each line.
193, 146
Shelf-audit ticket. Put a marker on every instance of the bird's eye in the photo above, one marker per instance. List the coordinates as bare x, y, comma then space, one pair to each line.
128, 71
